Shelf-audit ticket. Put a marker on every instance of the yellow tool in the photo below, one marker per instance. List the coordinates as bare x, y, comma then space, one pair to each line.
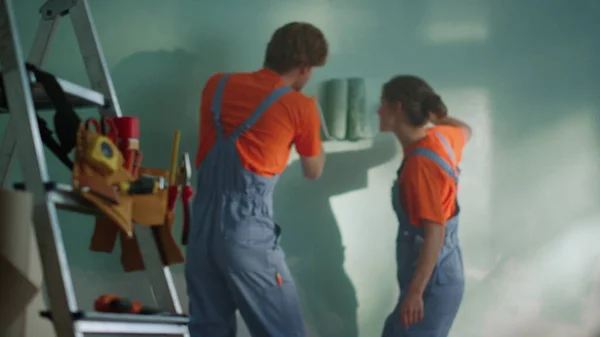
174, 155
100, 151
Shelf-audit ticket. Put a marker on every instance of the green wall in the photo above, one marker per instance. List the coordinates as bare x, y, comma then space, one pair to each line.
524, 74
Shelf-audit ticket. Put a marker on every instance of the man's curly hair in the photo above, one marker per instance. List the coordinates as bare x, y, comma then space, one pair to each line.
294, 45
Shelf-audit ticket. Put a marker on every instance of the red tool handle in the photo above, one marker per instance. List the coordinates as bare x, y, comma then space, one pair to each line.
128, 129
110, 130
93, 122
186, 195
137, 164
173, 193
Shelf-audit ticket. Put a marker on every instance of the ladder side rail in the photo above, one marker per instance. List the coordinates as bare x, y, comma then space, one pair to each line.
93, 57
35, 173
37, 57
160, 277
7, 151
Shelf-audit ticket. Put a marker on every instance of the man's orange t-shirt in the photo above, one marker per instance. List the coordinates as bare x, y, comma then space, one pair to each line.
427, 192
265, 148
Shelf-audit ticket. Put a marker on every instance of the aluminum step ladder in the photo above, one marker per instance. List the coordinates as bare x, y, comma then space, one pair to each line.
21, 98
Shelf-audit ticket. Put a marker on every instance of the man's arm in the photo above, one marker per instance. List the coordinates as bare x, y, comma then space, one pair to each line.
312, 167
308, 141
451, 121
428, 256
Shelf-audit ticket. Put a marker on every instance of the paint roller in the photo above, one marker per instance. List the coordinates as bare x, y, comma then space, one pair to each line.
345, 115
336, 107
359, 126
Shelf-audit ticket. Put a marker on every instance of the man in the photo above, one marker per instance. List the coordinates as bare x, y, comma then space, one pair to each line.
248, 123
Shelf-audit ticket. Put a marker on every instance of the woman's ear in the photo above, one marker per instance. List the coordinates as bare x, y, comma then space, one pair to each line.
398, 112
305, 70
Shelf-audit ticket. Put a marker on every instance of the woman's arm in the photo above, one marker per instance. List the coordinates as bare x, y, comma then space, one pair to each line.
422, 200
466, 129
428, 256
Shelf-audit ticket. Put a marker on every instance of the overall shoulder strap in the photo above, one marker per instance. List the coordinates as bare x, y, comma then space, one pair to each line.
259, 111
217, 103
441, 162
447, 146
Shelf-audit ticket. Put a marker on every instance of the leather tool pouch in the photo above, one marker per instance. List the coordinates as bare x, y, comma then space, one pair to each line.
95, 184
151, 210
95, 173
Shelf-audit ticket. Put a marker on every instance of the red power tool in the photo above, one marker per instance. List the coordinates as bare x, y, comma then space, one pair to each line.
119, 305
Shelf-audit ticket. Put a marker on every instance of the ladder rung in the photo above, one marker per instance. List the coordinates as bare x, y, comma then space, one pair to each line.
100, 327
106, 323
66, 199
78, 96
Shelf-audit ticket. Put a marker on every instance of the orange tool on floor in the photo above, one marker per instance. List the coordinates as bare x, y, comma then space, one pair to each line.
120, 305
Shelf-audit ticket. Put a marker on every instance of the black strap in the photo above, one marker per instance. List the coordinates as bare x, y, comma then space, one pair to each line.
52, 144
66, 121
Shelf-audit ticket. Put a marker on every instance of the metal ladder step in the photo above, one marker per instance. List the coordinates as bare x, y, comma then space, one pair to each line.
78, 96
65, 198
106, 323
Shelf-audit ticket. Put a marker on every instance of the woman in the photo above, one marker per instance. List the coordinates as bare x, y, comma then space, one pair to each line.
430, 268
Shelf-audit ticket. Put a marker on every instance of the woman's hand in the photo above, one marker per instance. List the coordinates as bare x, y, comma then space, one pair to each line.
452, 122
412, 308
434, 119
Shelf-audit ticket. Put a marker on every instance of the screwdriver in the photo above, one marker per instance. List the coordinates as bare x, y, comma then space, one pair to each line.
144, 185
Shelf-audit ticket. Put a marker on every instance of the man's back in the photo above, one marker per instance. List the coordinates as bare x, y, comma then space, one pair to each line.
263, 149
233, 258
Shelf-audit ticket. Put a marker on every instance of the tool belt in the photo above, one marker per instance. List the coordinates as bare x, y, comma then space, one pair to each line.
99, 175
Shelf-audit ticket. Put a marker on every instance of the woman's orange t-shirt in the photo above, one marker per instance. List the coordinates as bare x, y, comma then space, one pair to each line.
427, 192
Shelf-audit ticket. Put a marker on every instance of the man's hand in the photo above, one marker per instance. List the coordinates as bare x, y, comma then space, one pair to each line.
412, 308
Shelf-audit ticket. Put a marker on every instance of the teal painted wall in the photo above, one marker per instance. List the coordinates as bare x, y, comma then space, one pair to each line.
525, 75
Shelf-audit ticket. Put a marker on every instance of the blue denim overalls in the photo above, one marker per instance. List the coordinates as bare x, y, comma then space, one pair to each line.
233, 258
443, 294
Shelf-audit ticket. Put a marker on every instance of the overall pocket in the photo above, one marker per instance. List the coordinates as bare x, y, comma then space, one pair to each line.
447, 286
407, 255
450, 269
280, 301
